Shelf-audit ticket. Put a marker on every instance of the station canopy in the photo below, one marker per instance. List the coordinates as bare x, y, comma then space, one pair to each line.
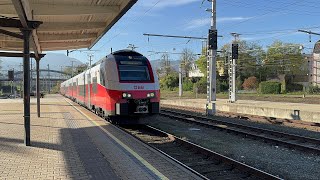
67, 24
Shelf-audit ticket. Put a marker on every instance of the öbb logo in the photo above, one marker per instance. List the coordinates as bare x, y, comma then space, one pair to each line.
138, 87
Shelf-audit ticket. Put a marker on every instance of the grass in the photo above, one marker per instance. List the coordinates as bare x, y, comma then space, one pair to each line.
296, 97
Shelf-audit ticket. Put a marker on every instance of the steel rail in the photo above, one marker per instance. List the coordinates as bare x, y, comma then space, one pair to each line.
246, 169
208, 122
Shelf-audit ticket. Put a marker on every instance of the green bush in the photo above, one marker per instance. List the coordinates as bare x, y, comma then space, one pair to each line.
314, 89
222, 86
169, 82
200, 86
294, 87
269, 87
239, 83
187, 85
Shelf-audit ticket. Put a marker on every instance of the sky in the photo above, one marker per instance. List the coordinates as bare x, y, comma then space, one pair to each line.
256, 20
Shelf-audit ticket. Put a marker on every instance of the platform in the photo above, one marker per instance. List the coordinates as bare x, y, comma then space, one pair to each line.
296, 111
69, 142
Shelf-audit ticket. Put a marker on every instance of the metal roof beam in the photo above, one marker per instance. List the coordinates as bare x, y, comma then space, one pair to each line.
65, 10
65, 37
64, 45
23, 10
12, 34
70, 26
54, 10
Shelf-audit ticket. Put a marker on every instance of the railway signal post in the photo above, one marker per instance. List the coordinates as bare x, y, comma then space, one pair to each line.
211, 63
232, 68
232, 74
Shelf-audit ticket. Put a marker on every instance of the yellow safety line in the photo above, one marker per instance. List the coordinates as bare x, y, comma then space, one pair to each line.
137, 156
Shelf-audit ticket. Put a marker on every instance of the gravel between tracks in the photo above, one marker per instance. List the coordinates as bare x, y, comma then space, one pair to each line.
287, 163
276, 127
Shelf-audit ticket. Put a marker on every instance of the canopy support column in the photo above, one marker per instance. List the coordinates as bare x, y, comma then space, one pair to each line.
26, 83
38, 86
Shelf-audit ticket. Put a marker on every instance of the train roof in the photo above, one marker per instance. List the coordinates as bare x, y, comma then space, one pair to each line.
126, 52
123, 52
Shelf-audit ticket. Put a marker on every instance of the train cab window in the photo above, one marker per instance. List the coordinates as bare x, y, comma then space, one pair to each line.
133, 68
134, 73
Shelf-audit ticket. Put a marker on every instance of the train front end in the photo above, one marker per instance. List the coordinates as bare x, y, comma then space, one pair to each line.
137, 86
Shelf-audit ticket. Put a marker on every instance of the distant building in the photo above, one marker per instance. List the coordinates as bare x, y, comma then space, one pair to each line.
195, 71
315, 65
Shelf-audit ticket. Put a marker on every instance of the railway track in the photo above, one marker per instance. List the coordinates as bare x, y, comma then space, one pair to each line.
203, 162
305, 144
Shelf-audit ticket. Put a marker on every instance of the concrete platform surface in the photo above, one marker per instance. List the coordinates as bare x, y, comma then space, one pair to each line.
307, 112
69, 142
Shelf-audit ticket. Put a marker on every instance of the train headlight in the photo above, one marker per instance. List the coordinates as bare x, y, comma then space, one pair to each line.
126, 95
151, 95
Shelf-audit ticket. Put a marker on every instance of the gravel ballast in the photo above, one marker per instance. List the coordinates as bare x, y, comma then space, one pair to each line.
277, 160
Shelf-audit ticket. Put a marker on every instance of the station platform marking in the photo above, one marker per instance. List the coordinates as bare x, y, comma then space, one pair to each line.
128, 149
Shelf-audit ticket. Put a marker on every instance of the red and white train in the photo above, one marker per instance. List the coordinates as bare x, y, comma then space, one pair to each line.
121, 84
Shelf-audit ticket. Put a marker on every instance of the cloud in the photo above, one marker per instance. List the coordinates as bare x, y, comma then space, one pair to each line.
226, 19
197, 23
166, 3
271, 36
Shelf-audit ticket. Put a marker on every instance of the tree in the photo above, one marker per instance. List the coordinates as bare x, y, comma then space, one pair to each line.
202, 64
170, 82
284, 58
251, 56
186, 59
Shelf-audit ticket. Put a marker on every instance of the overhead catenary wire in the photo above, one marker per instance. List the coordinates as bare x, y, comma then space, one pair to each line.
266, 13
134, 20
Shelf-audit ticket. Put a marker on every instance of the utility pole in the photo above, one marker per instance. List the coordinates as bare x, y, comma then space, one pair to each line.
211, 62
61, 72
49, 83
232, 69
89, 90
72, 78
180, 80
72, 68
90, 59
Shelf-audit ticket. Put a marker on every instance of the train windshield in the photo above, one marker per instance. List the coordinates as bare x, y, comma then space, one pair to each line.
133, 69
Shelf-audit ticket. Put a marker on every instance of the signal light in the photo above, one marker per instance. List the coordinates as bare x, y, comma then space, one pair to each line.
235, 50
213, 39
